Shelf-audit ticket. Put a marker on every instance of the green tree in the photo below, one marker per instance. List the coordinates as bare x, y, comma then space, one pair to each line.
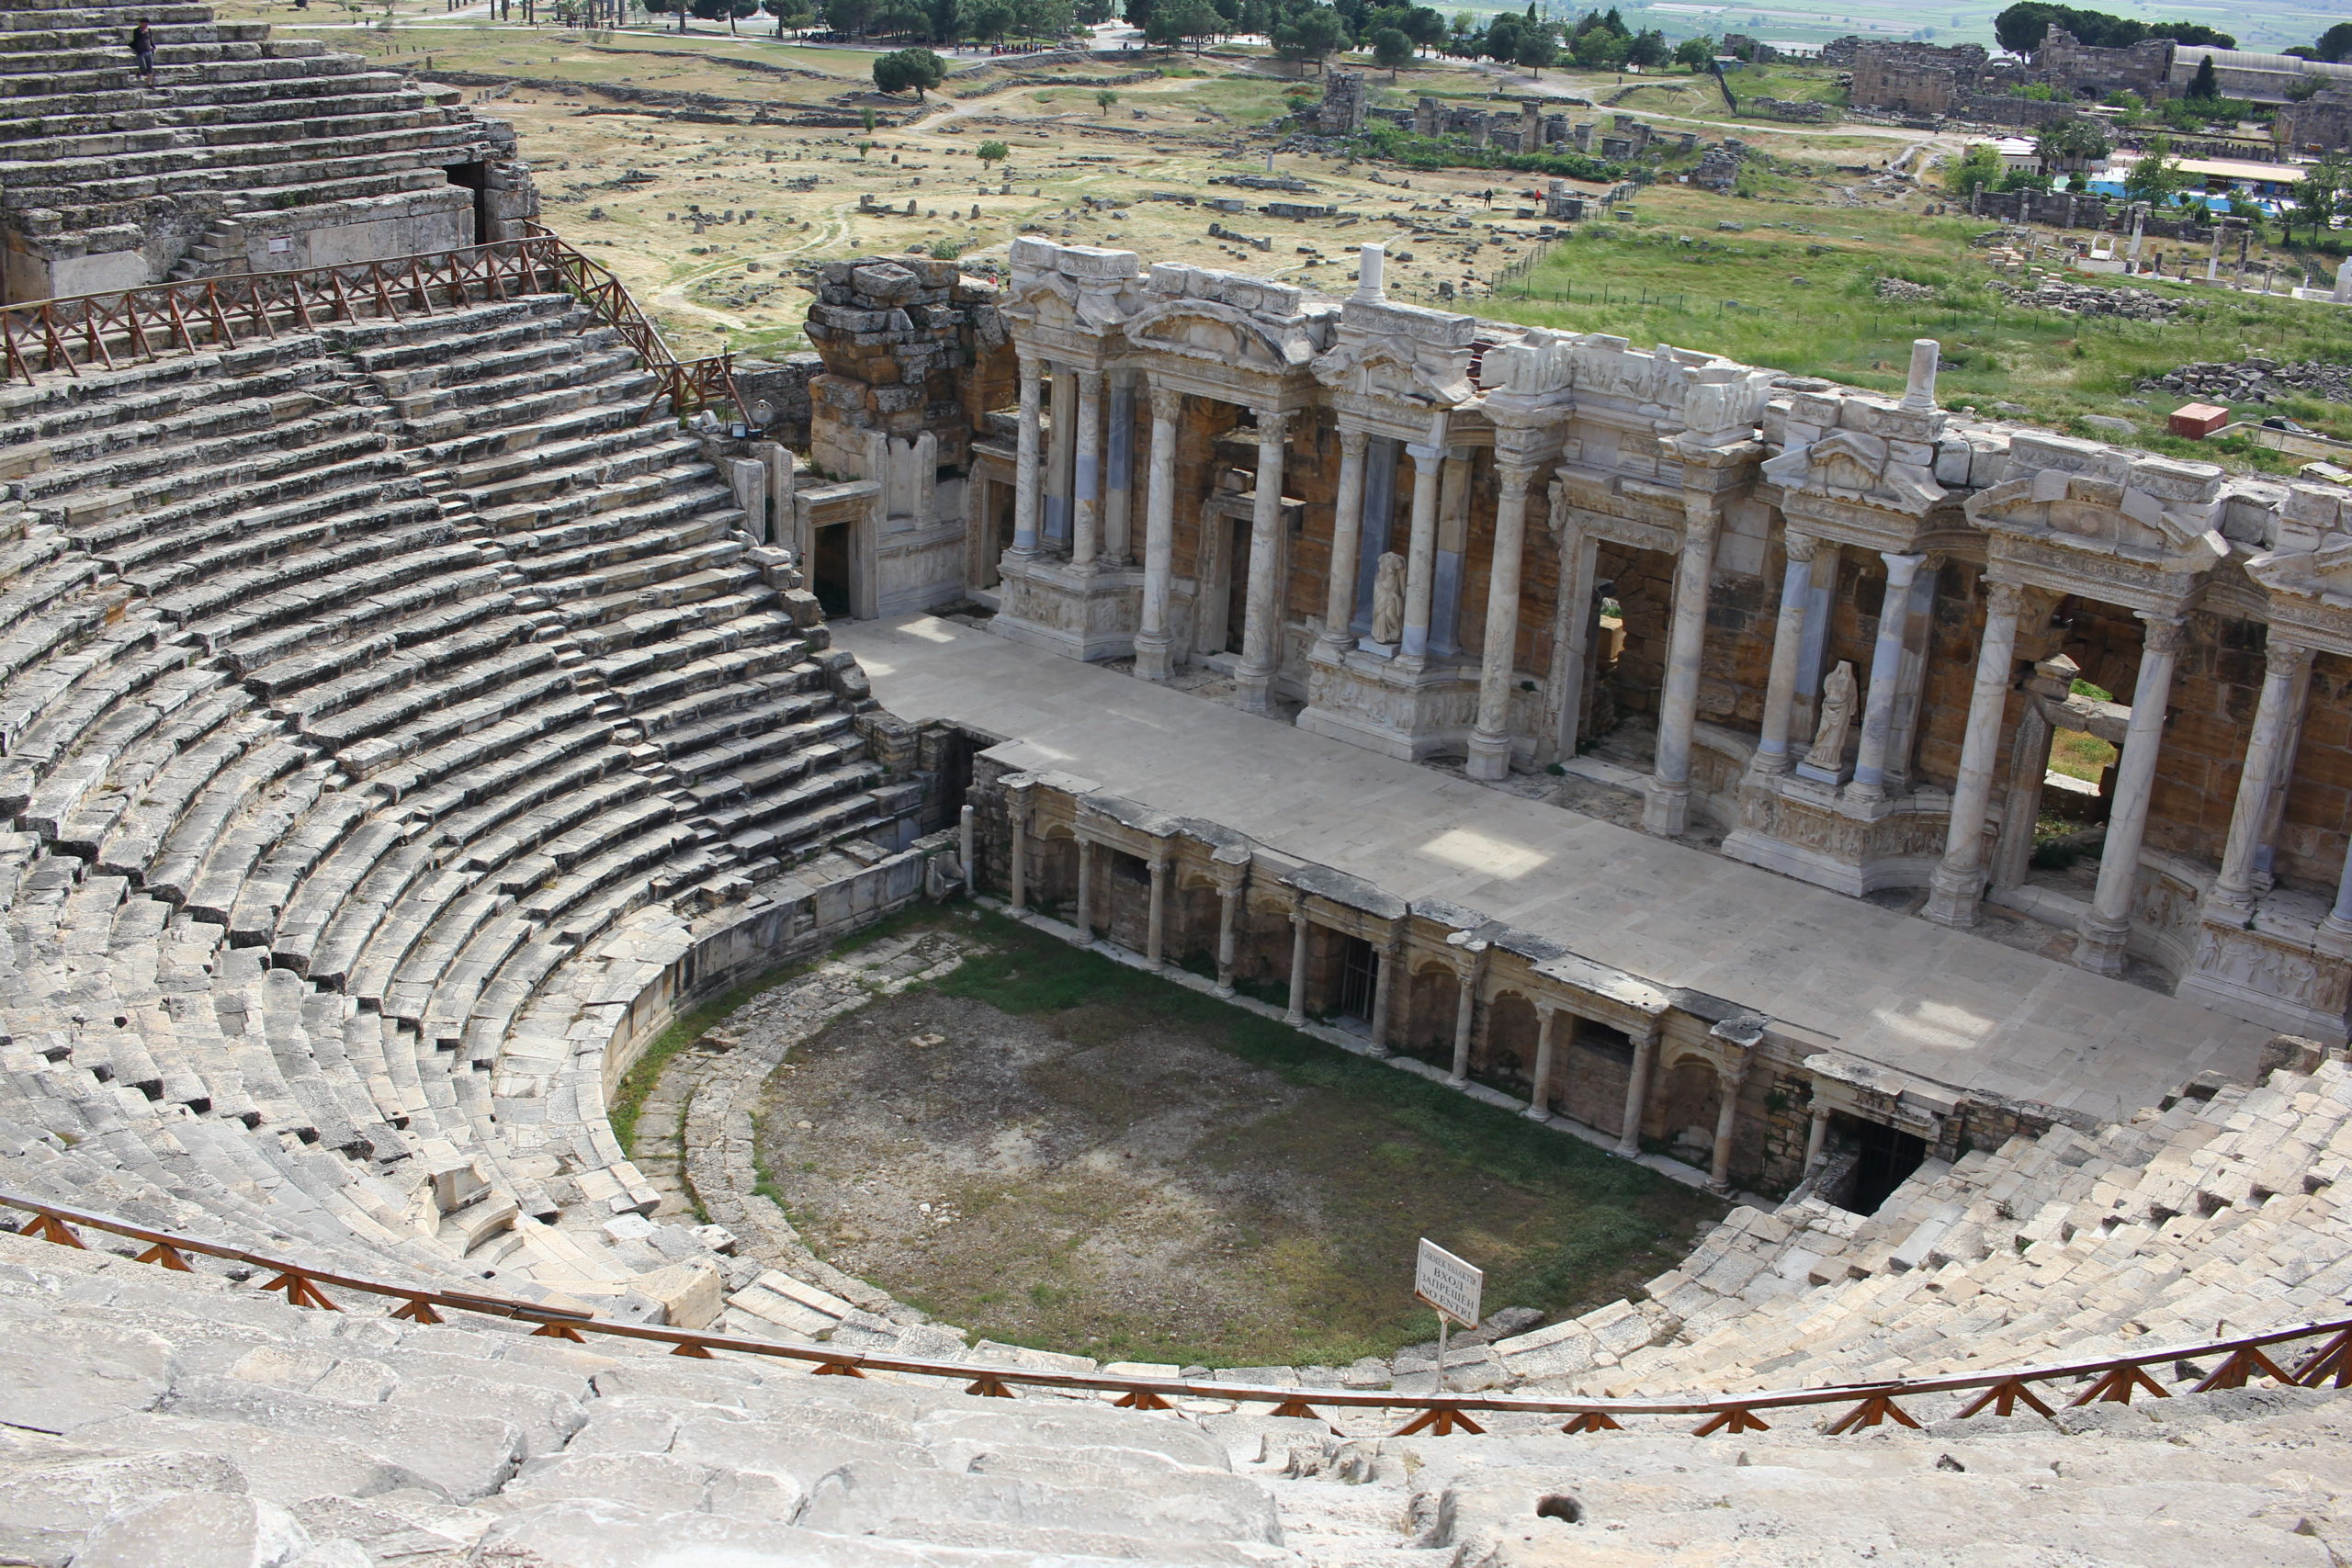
1536, 50
866, 118
1698, 53
1103, 99
1392, 48
946, 19
1175, 22
1309, 33
2070, 143
726, 10
1138, 14
2334, 45
1647, 50
994, 152
916, 68
1600, 50
2157, 177
1043, 18
988, 21
851, 17
2319, 194
2204, 87
790, 15
1979, 168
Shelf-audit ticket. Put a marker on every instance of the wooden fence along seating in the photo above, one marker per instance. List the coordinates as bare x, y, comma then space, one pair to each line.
2325, 1357
100, 330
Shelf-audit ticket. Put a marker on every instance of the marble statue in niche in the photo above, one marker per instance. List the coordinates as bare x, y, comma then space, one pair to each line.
1838, 693
1388, 599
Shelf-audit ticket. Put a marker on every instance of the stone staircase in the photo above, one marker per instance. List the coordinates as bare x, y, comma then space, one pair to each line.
240, 140
2209, 1218
375, 702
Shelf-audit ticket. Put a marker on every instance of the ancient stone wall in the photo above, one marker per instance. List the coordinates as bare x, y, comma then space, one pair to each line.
2321, 124
902, 342
2088, 71
1913, 78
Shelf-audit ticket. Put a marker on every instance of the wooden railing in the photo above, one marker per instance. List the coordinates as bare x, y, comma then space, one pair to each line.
134, 325
2104, 1380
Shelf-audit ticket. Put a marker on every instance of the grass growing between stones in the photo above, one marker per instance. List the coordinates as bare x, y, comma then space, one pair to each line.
1052, 1149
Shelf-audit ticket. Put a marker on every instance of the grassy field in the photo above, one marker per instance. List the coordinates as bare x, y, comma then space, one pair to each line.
1144, 1173
1801, 295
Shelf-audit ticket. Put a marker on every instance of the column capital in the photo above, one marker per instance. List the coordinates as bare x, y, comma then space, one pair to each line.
1273, 425
1901, 568
1033, 364
2002, 597
1424, 452
2165, 631
1701, 517
2290, 656
1353, 440
1090, 382
1798, 546
1166, 404
1515, 476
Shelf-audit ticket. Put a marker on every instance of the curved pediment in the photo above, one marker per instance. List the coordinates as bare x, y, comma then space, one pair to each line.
1386, 368
1201, 329
1859, 469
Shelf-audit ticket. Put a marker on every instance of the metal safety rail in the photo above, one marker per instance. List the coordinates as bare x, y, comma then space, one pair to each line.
2108, 1380
80, 332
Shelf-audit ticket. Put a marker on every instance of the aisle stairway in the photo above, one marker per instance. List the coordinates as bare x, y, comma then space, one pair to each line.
353, 685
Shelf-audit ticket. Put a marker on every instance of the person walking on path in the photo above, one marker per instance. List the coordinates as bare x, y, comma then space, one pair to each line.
143, 48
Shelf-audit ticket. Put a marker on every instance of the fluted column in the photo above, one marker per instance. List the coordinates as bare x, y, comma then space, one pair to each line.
2108, 925
1886, 675
1959, 881
1261, 627
1347, 537
1152, 643
1787, 648
1060, 447
1119, 471
2283, 667
1667, 812
1490, 755
1086, 536
1420, 550
1638, 1090
1025, 460
1539, 1093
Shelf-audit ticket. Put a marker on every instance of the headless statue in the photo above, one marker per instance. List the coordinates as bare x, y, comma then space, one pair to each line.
1836, 718
1388, 599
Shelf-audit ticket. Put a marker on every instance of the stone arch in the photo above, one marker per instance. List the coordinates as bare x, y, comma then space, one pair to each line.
1683, 1109
1502, 1054
1429, 1006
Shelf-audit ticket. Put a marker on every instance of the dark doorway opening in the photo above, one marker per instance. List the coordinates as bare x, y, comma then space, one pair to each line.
830, 571
1359, 978
1236, 586
1884, 1158
475, 178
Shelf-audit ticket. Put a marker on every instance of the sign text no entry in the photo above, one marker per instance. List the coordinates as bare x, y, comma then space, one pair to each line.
1444, 1282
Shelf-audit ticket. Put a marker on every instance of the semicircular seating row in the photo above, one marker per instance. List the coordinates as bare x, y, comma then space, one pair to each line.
359, 691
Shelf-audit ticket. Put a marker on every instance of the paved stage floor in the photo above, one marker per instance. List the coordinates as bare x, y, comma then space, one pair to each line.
1892, 988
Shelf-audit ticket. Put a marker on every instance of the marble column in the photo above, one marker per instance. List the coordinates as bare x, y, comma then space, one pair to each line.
2283, 667
1638, 1090
2339, 918
1667, 812
1452, 549
1229, 910
1727, 1086
1024, 466
1886, 676
1420, 550
1347, 536
1788, 646
1466, 1013
1573, 624
1060, 448
1262, 625
1119, 471
1296, 1013
1959, 881
1152, 640
966, 829
1084, 916
1385, 968
2108, 925
1086, 535
1539, 1094
1016, 892
1155, 929
1490, 738
1816, 1137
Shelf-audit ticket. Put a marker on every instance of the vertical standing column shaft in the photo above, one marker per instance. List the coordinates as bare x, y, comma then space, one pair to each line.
1086, 537
1295, 1014
1152, 655
1886, 675
1119, 471
1025, 462
1346, 535
1726, 1118
1788, 646
1060, 449
1638, 1090
1228, 909
1156, 927
1816, 1137
1262, 627
1084, 920
1385, 967
1420, 552
1667, 810
1539, 1094
1490, 755
1576, 617
2283, 671
1017, 874
1466, 1012
2108, 925
1959, 882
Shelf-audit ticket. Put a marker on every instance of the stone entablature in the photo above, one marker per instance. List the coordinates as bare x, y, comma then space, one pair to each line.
1830, 602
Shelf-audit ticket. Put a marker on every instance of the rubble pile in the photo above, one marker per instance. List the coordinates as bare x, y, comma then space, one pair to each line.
1902, 291
2088, 300
2258, 380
